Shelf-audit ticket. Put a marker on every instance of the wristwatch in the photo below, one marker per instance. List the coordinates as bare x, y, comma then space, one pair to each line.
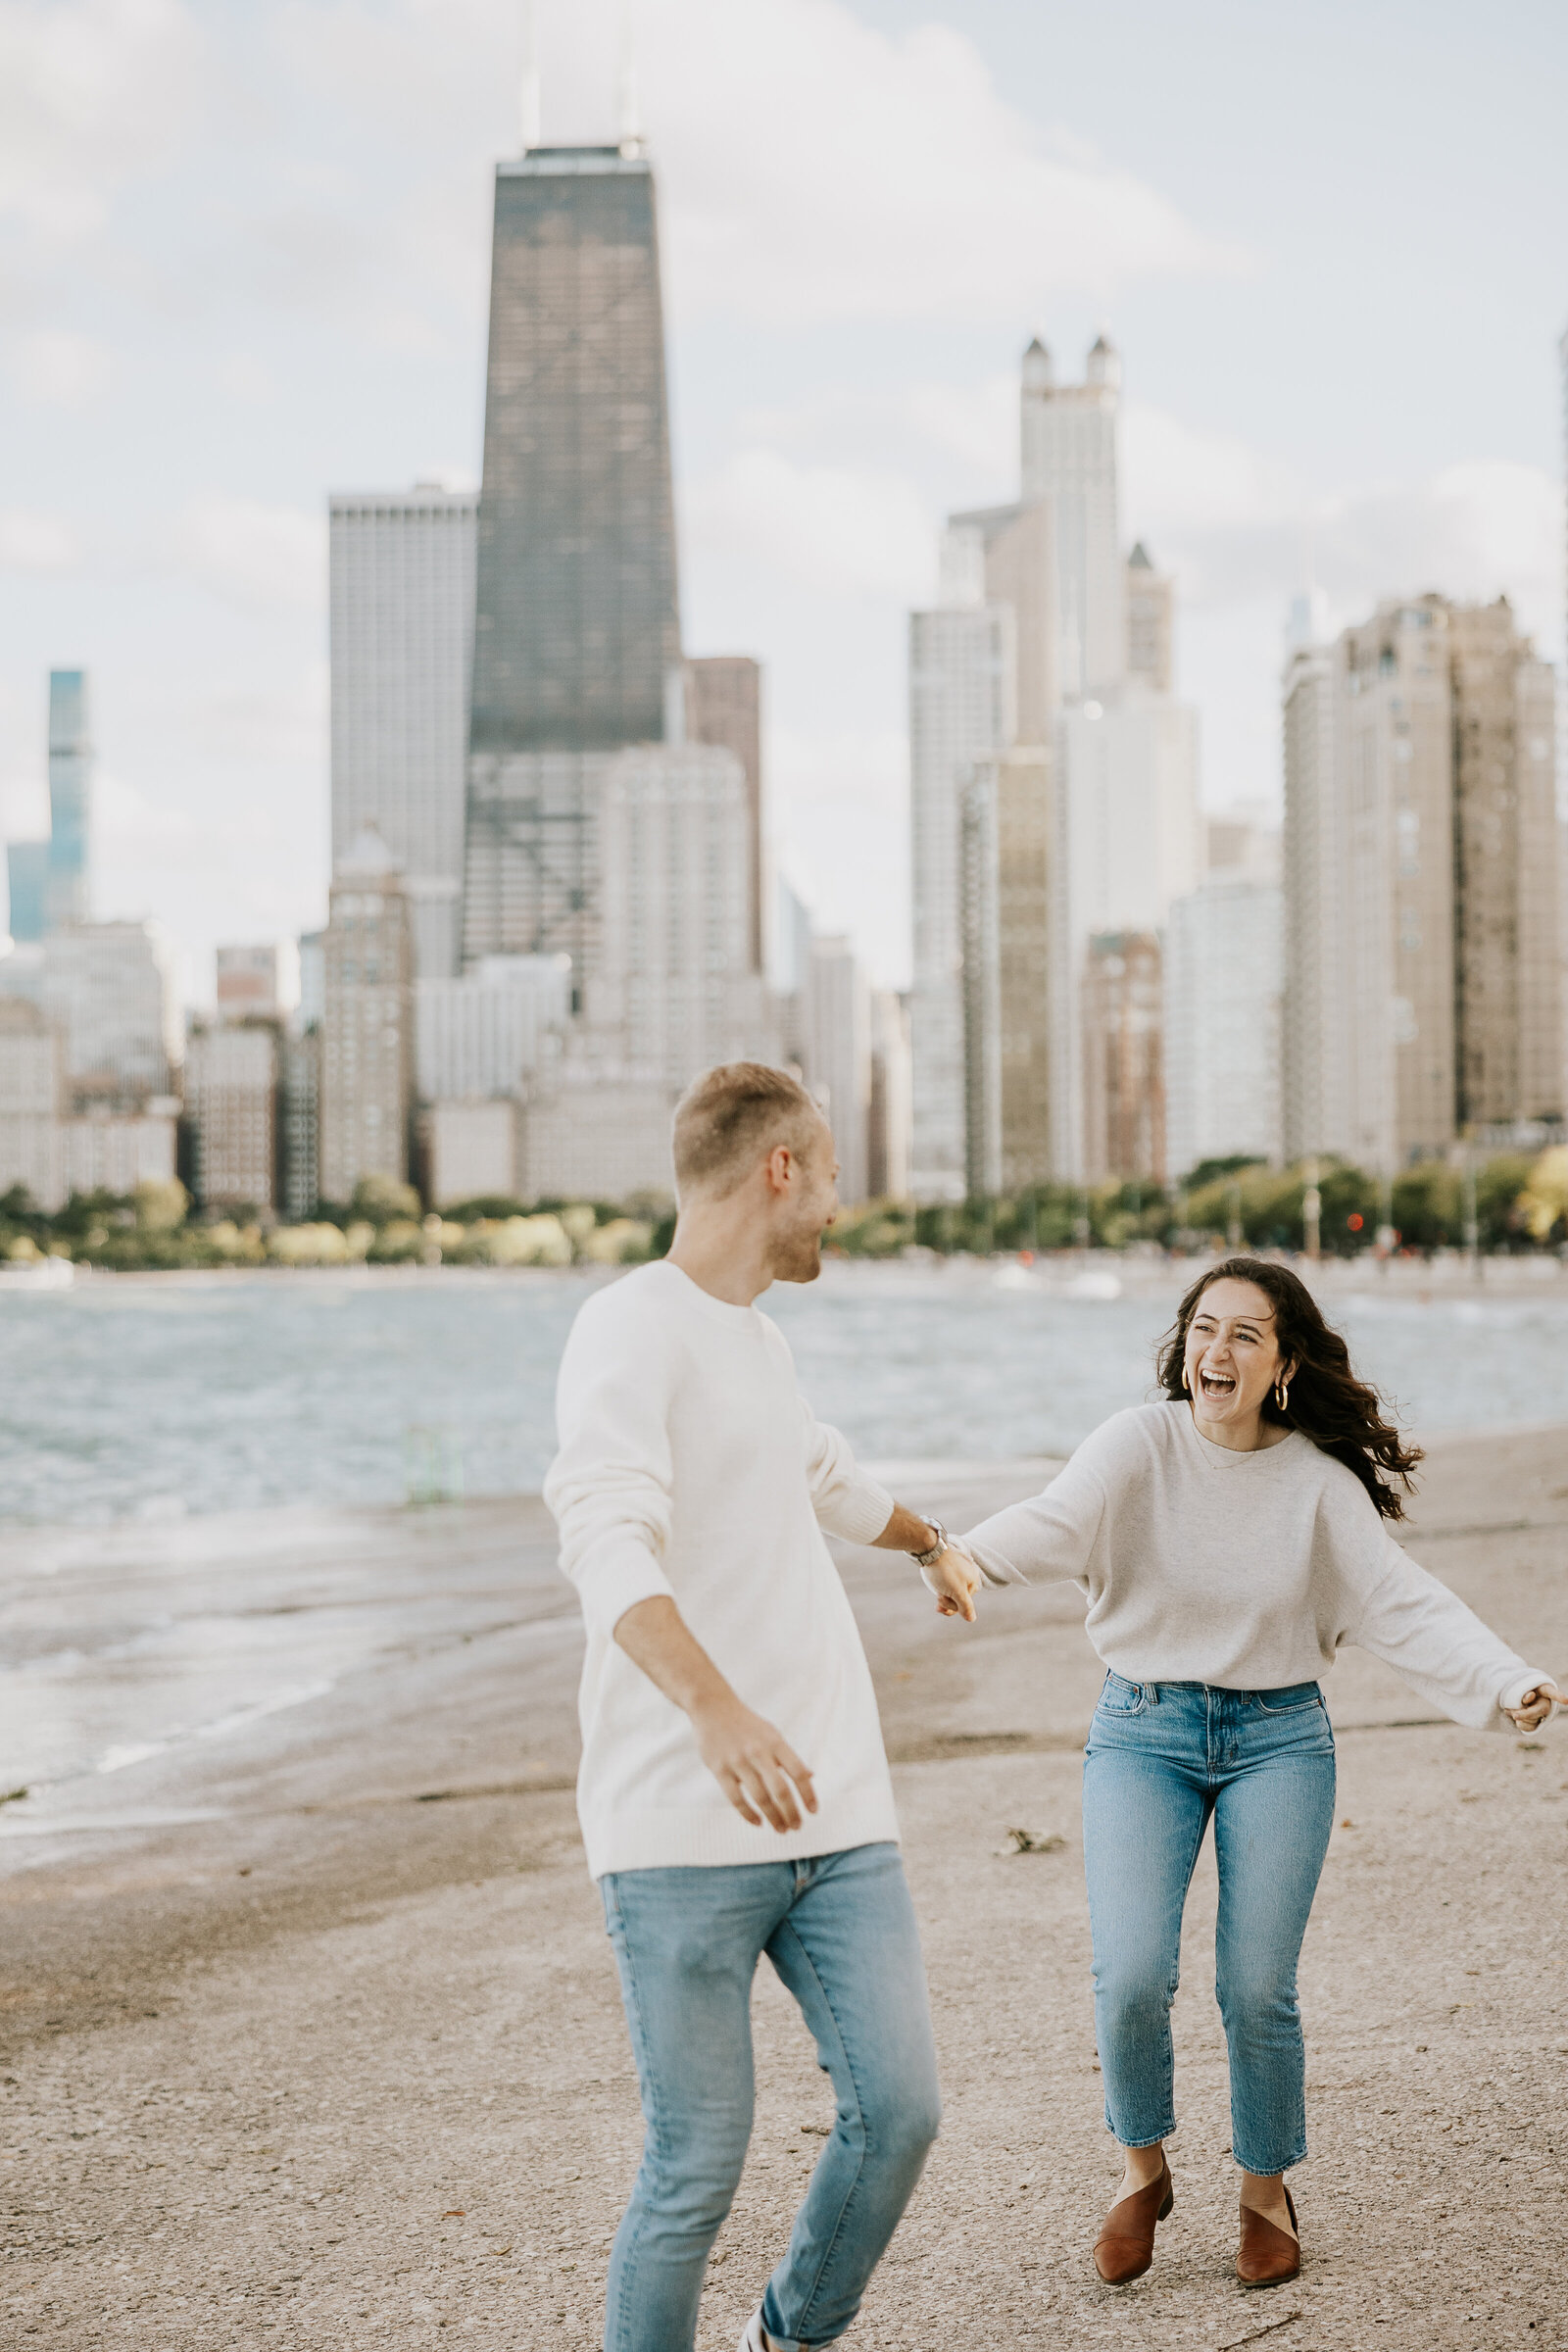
929, 1559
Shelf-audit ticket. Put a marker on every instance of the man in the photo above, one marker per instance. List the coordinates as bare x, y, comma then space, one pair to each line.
734, 1792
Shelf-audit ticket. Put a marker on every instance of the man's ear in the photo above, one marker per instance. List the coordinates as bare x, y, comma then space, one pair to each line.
779, 1164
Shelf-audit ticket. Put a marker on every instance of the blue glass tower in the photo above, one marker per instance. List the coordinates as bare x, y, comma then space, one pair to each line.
28, 872
70, 799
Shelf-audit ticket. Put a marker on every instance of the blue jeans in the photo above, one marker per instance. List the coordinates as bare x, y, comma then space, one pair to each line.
1163, 1758
840, 1931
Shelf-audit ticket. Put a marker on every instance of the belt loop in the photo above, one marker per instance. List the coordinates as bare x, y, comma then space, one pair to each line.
1153, 1692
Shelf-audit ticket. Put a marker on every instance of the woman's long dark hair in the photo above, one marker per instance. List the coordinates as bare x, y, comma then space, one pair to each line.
1339, 1413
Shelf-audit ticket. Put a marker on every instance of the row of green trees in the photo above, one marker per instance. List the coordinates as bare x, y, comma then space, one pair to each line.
383, 1224
1517, 1203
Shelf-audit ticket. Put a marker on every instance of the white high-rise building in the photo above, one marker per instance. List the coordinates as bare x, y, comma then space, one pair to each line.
114, 1155
892, 1095
249, 983
402, 647
31, 1104
839, 1069
231, 1076
1129, 842
1224, 969
675, 988
485, 1034
1069, 434
1315, 1097
962, 711
108, 989
1423, 990
366, 1067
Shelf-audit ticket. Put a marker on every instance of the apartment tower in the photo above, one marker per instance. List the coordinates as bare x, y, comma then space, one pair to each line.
401, 569
1424, 988
1069, 437
368, 1035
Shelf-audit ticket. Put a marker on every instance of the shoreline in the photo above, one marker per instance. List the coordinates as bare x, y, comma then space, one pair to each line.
1054, 1273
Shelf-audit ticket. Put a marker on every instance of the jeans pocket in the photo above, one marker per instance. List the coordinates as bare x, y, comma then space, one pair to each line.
1120, 1697
1297, 1700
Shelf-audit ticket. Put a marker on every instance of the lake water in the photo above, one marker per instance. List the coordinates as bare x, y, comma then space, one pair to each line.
126, 1397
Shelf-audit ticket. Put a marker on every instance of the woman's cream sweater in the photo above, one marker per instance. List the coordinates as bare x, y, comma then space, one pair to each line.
1242, 1570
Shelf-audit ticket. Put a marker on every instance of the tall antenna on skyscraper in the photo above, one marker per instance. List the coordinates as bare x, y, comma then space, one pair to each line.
629, 129
530, 76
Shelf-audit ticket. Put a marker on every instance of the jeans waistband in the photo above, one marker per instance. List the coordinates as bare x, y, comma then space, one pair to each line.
1276, 1695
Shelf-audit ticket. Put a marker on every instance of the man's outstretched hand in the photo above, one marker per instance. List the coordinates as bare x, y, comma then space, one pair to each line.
755, 1765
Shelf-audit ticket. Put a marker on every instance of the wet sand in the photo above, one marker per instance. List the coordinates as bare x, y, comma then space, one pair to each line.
308, 2031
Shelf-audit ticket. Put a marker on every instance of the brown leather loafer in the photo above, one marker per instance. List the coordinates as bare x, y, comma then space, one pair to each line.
1125, 2247
1267, 2255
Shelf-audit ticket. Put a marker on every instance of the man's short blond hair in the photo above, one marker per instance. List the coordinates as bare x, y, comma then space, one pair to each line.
731, 1117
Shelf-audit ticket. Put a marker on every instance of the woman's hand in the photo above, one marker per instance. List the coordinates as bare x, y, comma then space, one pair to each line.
1535, 1706
955, 1579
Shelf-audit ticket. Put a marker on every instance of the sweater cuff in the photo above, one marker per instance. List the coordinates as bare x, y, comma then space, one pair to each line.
858, 1511
615, 1583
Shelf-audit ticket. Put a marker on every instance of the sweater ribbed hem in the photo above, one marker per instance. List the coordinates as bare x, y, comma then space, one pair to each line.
706, 1840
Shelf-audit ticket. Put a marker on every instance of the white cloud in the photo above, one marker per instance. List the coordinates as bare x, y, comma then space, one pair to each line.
840, 530
1176, 477
813, 168
31, 542
282, 722
1484, 528
91, 94
850, 174
258, 557
1238, 526
57, 369
1243, 533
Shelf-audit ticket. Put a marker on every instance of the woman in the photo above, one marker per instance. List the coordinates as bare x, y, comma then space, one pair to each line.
1229, 1538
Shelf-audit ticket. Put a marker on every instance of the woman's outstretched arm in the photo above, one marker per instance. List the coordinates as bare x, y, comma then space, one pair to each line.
1445, 1652
1051, 1536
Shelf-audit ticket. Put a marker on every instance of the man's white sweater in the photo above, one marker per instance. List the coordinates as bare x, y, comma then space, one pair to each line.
690, 1465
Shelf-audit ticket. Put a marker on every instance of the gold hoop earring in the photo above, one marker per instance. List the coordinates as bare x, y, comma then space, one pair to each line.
1282, 1395
1186, 1383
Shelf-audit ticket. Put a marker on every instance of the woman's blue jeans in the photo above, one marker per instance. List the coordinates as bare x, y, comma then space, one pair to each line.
1162, 1759
840, 1931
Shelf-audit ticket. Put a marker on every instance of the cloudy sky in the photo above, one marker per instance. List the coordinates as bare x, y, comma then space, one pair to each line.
244, 247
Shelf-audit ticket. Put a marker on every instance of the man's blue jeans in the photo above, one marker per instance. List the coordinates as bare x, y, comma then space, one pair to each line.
840, 1931
1162, 1759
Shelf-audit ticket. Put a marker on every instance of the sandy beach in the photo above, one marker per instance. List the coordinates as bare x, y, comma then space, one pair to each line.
310, 2033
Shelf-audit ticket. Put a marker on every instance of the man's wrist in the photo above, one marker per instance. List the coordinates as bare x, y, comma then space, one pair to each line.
928, 1554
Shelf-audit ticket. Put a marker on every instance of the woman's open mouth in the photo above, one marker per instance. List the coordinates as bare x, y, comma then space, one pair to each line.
1218, 1384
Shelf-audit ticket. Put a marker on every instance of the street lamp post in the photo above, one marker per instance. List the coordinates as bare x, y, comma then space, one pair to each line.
1311, 1211
1386, 1236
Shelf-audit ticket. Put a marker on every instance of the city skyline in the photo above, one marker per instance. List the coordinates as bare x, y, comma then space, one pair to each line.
839, 382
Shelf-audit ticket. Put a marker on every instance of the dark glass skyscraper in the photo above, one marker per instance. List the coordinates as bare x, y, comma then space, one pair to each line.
576, 624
